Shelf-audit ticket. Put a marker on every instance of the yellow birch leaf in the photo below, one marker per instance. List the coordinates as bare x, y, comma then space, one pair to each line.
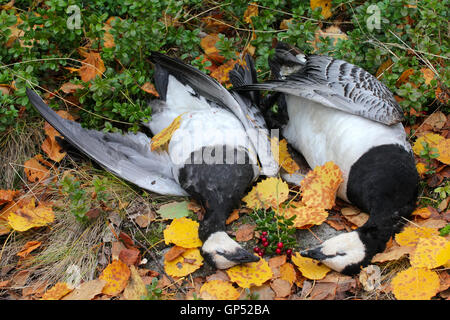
163, 137
428, 75
183, 232
421, 168
269, 192
282, 156
432, 139
305, 216
411, 235
320, 185
58, 291
185, 264
219, 290
324, 4
251, 11
250, 274
287, 272
415, 284
431, 252
444, 151
116, 274
29, 216
310, 268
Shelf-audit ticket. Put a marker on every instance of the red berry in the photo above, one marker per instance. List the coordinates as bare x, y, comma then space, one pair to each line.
278, 250
256, 249
263, 239
280, 245
264, 233
265, 244
289, 252
260, 253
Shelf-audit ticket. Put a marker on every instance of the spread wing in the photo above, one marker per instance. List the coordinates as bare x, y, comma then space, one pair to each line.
127, 156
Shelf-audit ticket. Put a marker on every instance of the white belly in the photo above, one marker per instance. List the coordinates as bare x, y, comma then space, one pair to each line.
324, 134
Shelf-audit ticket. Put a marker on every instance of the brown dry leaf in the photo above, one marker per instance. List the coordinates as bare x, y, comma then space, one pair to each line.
7, 196
251, 11
410, 235
281, 154
428, 75
359, 219
162, 138
221, 73
415, 284
28, 247
70, 87
233, 216
219, 290
284, 25
116, 274
384, 67
58, 291
442, 95
150, 88
270, 192
324, 4
319, 187
28, 216
431, 252
130, 256
287, 272
277, 261
392, 254
34, 169
208, 44
87, 290
183, 232
310, 268
245, 232
185, 264
404, 77
53, 149
136, 288
250, 274
332, 32
174, 253
108, 38
370, 277
281, 287
5, 89
92, 65
435, 121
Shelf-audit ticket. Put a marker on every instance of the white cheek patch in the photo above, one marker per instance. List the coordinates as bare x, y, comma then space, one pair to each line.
220, 242
346, 249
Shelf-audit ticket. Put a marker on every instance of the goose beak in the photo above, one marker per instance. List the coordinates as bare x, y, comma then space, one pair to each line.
241, 255
315, 253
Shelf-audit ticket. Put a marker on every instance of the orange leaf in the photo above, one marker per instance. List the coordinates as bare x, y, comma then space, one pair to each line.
70, 87
233, 216
92, 66
287, 272
324, 4
28, 247
163, 137
108, 38
7, 195
34, 170
208, 44
444, 151
428, 75
415, 284
305, 216
422, 212
174, 253
221, 73
320, 185
404, 77
58, 291
150, 88
116, 274
251, 11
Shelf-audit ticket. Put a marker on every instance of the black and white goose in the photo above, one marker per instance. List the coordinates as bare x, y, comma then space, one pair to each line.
336, 111
212, 156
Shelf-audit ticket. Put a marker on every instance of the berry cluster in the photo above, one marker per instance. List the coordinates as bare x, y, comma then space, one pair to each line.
265, 243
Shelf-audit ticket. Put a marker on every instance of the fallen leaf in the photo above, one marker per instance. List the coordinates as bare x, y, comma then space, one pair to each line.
444, 151
287, 272
162, 138
264, 292
324, 4
270, 192
221, 73
422, 212
208, 44
7, 195
34, 170
116, 275
411, 235
233, 216
130, 256
428, 75
182, 232
58, 291
108, 38
136, 288
415, 284
404, 77
359, 219
245, 232
304, 216
87, 290
435, 121
431, 138
28, 247
92, 65
310, 268
284, 25
281, 287
370, 277
392, 254
174, 210
281, 154
70, 87
384, 67
277, 261
143, 220
332, 32
250, 274
251, 11
219, 290
29, 216
431, 252
320, 185
188, 262
174, 253
150, 88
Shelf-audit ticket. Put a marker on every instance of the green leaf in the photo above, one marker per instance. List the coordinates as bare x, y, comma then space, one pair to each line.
174, 210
